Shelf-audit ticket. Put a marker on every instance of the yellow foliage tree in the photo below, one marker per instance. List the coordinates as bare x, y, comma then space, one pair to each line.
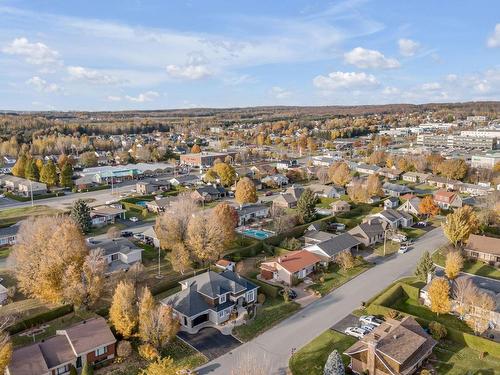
439, 295
453, 265
226, 173
5, 351
123, 311
164, 366
245, 191
340, 174
460, 224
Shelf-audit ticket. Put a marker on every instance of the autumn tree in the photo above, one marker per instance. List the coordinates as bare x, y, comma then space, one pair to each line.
480, 312
113, 232
48, 174
460, 224
428, 207
210, 176
345, 260
20, 166
424, 267
196, 149
322, 175
88, 159
5, 346
374, 186
245, 191
455, 169
340, 174
439, 295
180, 257
163, 366
65, 177
123, 310
80, 213
306, 206
227, 217
357, 192
453, 265
31, 171
226, 173
45, 247
205, 237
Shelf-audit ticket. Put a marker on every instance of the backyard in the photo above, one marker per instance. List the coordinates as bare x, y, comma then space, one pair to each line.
311, 359
470, 266
357, 213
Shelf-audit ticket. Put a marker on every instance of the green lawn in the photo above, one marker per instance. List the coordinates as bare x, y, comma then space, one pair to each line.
11, 216
335, 277
4, 252
95, 231
413, 232
413, 307
390, 248
184, 355
311, 359
357, 213
470, 266
272, 312
325, 202
457, 359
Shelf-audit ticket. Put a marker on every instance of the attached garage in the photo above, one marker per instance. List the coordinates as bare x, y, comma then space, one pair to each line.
199, 319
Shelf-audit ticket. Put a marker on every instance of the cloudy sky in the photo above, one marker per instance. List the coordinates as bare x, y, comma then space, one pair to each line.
156, 54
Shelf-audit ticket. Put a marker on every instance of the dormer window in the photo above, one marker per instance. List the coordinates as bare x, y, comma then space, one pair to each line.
222, 298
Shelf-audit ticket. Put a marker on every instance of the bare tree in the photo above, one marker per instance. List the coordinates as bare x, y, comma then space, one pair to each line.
205, 237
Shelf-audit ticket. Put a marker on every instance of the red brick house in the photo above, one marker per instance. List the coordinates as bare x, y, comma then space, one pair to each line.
90, 341
447, 199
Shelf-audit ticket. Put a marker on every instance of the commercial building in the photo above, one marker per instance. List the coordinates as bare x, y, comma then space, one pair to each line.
205, 159
127, 172
486, 161
481, 133
456, 141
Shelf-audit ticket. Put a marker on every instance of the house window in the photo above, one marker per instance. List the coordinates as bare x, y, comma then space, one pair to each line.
100, 351
222, 298
474, 254
62, 370
222, 313
251, 296
114, 257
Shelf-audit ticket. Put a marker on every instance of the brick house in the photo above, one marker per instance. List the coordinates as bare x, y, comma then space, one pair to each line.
486, 249
295, 265
90, 341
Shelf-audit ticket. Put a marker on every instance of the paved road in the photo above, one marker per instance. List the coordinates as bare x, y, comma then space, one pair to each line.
275, 345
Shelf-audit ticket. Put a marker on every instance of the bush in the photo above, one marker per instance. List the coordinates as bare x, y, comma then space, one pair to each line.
438, 330
124, 349
391, 314
269, 290
148, 352
291, 243
39, 319
261, 298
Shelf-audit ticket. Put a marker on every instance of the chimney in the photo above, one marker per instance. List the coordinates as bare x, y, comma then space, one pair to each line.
279, 260
371, 356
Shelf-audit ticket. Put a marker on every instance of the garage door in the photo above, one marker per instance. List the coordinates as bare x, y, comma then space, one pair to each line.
200, 319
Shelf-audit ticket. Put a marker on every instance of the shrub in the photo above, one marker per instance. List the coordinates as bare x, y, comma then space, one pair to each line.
438, 330
291, 243
124, 348
391, 314
148, 352
261, 298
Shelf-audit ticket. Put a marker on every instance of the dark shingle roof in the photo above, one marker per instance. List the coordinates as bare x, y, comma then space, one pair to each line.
115, 245
338, 243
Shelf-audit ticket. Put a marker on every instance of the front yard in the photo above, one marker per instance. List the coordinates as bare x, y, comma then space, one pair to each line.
11, 216
470, 266
334, 277
311, 359
271, 313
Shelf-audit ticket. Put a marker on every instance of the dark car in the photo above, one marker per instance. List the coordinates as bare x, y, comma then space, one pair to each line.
292, 294
127, 233
268, 193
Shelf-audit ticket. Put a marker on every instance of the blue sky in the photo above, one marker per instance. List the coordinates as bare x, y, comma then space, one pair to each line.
120, 54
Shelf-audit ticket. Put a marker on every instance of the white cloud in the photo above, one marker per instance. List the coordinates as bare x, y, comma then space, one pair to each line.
451, 77
113, 98
367, 58
280, 93
190, 71
41, 85
408, 47
494, 39
34, 53
345, 80
431, 86
390, 90
143, 97
92, 76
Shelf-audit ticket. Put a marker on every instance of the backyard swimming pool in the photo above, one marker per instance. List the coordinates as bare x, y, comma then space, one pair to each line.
142, 203
257, 233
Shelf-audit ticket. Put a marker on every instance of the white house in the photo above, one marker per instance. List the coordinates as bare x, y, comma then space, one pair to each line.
396, 219
411, 206
120, 253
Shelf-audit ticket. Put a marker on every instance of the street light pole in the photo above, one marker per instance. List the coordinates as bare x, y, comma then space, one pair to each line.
31, 190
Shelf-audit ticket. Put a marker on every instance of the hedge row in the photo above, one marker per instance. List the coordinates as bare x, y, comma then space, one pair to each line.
269, 290
245, 252
39, 319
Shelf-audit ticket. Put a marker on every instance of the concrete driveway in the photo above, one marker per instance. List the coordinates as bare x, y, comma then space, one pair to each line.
210, 342
348, 321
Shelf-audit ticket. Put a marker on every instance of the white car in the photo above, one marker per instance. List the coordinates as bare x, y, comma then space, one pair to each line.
370, 319
403, 249
134, 219
139, 236
356, 332
367, 327
2, 195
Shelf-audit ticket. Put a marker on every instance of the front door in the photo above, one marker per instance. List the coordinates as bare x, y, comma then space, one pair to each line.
79, 362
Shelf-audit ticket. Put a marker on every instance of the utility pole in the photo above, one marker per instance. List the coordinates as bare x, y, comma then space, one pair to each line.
159, 264
31, 190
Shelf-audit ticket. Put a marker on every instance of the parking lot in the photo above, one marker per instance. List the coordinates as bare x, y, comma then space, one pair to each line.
210, 342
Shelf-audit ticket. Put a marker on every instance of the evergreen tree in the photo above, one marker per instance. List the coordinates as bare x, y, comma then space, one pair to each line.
424, 266
31, 171
80, 213
306, 206
87, 369
48, 174
65, 176
334, 364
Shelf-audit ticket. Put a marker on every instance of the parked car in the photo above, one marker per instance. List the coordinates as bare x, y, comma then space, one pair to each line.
355, 332
134, 219
337, 226
127, 233
370, 319
139, 236
268, 193
422, 223
2, 195
403, 249
367, 327
292, 294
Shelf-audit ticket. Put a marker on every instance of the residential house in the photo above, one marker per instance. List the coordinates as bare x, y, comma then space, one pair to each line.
120, 253
367, 169
150, 186
370, 232
486, 249
415, 177
8, 235
287, 164
316, 236
185, 180
391, 202
85, 182
328, 250
373, 199
275, 180
395, 219
225, 264
447, 199
208, 193
285, 200
327, 191
22, 186
251, 212
390, 173
396, 347
90, 341
159, 205
263, 170
340, 206
4, 294
443, 183
105, 215
476, 190
291, 268
411, 206
151, 237
395, 190
209, 299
